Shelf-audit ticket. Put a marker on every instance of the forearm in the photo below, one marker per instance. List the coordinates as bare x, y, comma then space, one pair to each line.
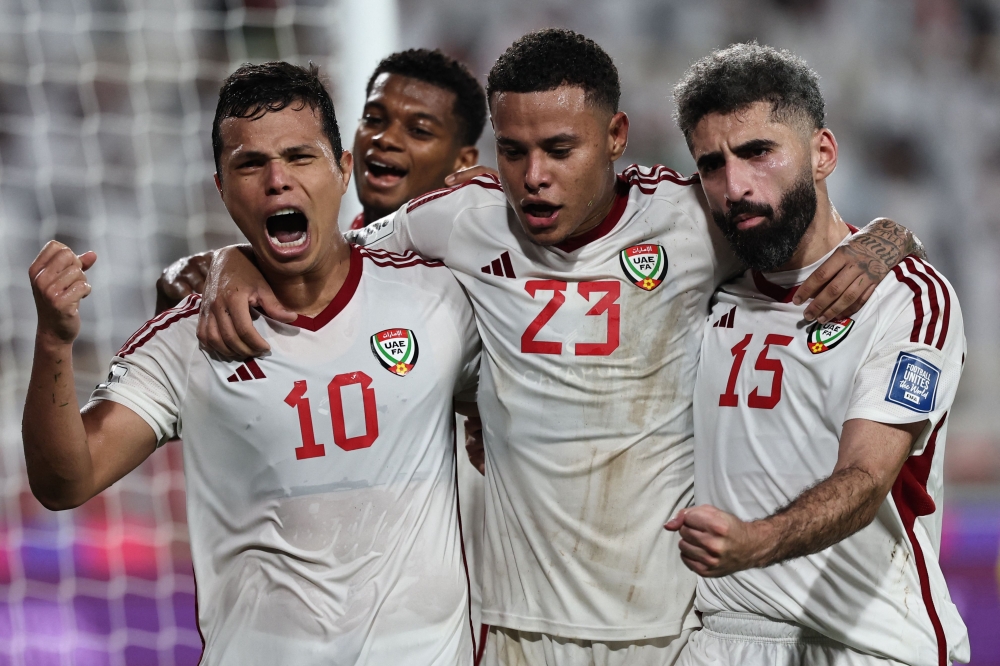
821, 516
59, 464
888, 242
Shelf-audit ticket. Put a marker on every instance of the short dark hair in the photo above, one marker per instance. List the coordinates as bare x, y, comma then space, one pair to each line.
447, 73
546, 59
253, 90
736, 77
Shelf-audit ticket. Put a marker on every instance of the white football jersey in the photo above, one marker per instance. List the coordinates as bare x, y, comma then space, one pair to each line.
590, 355
321, 488
772, 397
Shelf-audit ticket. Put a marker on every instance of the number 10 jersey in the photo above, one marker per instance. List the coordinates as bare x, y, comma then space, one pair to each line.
321, 491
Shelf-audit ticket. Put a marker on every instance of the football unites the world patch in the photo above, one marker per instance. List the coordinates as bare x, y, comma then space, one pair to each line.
396, 350
644, 265
914, 383
824, 337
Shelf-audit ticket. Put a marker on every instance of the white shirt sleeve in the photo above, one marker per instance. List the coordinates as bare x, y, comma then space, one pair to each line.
423, 225
913, 370
149, 373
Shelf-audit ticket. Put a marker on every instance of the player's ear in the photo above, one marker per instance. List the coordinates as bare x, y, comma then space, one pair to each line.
468, 156
617, 135
346, 167
824, 153
218, 183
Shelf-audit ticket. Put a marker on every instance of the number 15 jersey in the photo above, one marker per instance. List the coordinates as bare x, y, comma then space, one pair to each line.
321, 492
590, 354
772, 397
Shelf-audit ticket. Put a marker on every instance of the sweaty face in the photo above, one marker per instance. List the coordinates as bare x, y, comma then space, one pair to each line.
758, 177
556, 155
770, 244
282, 186
407, 142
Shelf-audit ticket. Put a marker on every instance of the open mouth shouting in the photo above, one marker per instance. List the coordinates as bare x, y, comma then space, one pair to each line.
382, 174
288, 232
540, 215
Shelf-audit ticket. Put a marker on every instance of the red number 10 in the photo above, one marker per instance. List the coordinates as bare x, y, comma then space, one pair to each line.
297, 399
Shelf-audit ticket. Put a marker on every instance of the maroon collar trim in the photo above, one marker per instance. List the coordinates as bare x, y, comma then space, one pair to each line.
340, 301
771, 290
358, 222
574, 243
778, 293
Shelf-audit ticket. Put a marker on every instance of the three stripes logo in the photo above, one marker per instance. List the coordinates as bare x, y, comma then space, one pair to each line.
501, 267
726, 321
396, 350
247, 371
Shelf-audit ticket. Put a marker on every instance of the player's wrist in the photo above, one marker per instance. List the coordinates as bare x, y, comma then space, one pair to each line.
53, 341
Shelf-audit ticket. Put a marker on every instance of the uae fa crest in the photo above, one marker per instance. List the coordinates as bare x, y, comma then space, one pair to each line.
396, 350
644, 265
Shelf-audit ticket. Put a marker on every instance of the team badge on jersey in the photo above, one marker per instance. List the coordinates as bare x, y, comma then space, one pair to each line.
914, 383
824, 337
644, 265
396, 349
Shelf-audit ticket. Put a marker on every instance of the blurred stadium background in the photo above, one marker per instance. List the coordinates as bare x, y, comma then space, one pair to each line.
105, 112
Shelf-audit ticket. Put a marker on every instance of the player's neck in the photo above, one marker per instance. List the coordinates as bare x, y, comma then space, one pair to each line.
310, 292
825, 233
600, 205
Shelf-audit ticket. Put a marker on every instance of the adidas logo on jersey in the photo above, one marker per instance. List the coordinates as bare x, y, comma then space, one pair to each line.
248, 370
726, 321
501, 267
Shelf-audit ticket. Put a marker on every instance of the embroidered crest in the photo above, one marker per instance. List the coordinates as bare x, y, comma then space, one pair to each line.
396, 349
824, 337
644, 265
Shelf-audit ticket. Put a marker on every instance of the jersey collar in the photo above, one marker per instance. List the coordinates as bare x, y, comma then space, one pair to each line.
358, 222
785, 294
574, 243
340, 301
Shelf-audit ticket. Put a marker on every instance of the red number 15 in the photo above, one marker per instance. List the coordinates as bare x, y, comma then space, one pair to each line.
755, 400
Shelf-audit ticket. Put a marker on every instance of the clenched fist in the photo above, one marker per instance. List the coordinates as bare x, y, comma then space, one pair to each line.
58, 285
715, 543
182, 278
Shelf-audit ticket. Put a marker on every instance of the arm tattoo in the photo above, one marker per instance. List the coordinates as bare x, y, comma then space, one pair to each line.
823, 515
881, 245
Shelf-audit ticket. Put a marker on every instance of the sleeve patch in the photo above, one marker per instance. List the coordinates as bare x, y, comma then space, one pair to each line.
374, 232
117, 373
914, 383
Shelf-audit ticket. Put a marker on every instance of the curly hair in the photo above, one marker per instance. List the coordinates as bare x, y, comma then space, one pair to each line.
447, 73
253, 90
546, 59
736, 77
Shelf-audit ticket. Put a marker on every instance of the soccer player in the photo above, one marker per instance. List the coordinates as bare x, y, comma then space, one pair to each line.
590, 291
423, 115
320, 477
818, 465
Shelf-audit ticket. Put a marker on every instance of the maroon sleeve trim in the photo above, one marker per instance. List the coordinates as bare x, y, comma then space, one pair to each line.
186, 308
486, 181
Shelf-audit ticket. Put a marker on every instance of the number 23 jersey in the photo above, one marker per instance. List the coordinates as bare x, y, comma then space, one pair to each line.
590, 354
321, 495
773, 394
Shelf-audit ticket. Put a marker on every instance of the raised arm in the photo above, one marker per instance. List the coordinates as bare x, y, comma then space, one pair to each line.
71, 456
845, 281
715, 543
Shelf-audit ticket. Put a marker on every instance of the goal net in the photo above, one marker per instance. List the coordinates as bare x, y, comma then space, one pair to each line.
105, 114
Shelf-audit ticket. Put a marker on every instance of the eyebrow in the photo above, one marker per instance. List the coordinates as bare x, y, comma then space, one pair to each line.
547, 142
751, 146
420, 115
257, 154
